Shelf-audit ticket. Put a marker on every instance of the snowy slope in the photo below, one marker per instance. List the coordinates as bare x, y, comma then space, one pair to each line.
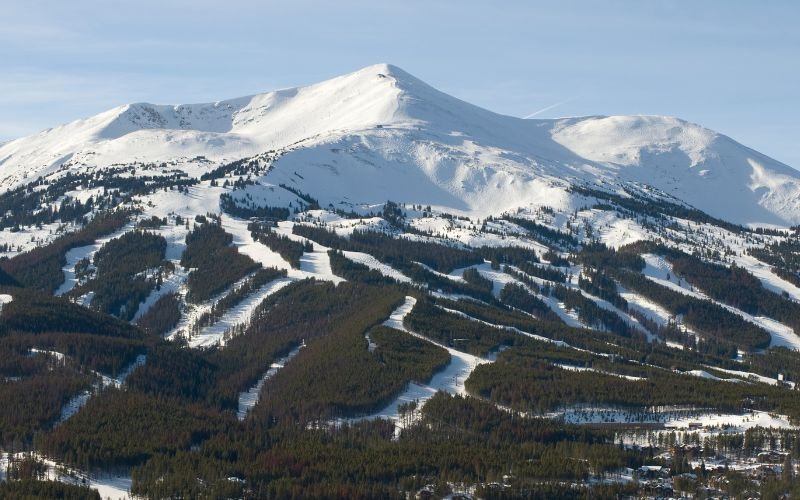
705, 169
380, 133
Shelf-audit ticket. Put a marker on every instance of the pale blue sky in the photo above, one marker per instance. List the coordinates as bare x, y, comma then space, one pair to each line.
732, 66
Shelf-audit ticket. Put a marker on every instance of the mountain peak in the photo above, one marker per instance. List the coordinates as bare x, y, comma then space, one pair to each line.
386, 119
385, 69
363, 98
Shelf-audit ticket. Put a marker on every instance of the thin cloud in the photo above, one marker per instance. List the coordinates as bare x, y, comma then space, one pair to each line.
548, 108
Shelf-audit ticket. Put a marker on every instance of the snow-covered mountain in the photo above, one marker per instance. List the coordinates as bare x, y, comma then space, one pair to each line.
327, 258
380, 133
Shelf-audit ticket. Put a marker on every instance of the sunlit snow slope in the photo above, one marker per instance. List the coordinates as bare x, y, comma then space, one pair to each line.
380, 133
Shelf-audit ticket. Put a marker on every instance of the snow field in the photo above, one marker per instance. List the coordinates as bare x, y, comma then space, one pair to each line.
174, 283
317, 263
406, 141
28, 238
769, 279
503, 327
704, 374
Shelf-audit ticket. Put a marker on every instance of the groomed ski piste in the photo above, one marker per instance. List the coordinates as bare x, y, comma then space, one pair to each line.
110, 486
314, 264
85, 252
79, 401
659, 270
249, 398
451, 379
317, 265
373, 263
380, 134
103, 381
238, 315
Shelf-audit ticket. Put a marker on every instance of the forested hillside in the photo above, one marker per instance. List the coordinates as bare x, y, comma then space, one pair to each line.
420, 304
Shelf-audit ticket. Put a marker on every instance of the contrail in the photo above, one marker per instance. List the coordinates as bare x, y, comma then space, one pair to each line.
548, 108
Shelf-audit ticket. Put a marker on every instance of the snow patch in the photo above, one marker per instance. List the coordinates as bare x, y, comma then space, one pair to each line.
249, 398
451, 379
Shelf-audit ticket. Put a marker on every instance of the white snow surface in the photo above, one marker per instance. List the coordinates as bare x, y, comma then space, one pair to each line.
380, 133
709, 376
755, 377
498, 278
710, 422
574, 368
373, 263
315, 264
87, 252
657, 269
451, 379
110, 486
769, 279
171, 284
60, 357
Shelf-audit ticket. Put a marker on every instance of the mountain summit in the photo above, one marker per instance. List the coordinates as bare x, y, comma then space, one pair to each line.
380, 133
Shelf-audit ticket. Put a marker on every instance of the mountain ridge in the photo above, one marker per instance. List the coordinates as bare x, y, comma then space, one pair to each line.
477, 160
